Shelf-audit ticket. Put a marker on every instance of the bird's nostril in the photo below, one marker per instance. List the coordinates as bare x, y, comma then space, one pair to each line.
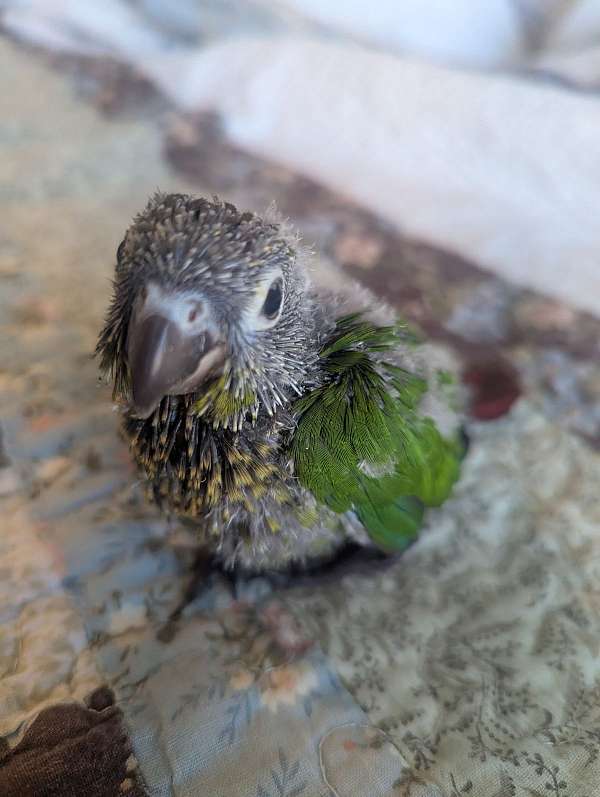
193, 314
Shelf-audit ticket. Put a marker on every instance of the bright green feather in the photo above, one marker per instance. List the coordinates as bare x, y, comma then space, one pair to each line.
360, 443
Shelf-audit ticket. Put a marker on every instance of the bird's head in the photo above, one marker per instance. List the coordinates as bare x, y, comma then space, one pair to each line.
208, 303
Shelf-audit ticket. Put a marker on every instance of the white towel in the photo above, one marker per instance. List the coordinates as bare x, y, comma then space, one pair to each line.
500, 167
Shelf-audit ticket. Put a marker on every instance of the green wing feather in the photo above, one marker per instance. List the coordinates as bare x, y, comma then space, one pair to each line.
360, 443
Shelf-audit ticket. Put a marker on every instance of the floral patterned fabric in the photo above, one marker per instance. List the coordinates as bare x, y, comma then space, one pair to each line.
469, 665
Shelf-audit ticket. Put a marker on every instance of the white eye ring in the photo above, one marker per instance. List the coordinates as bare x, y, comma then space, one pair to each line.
264, 310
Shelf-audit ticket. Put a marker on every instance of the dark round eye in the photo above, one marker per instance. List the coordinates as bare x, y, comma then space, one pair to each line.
273, 301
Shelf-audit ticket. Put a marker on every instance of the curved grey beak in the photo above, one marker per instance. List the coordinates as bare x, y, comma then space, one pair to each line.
164, 360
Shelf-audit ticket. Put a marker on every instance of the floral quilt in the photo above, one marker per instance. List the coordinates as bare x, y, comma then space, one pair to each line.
469, 665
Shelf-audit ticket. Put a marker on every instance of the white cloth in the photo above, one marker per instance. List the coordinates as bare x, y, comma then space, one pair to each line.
498, 166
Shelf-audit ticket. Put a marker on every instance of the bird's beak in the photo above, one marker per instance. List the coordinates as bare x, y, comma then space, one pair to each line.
165, 360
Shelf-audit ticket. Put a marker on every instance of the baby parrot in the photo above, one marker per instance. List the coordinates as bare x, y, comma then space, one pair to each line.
283, 417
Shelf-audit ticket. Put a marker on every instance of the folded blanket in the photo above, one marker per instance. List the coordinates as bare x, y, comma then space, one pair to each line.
496, 166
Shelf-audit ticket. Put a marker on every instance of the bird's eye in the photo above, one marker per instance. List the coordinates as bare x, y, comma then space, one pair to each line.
272, 303
264, 306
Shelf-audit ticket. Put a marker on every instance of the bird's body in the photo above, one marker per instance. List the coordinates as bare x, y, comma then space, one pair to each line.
280, 417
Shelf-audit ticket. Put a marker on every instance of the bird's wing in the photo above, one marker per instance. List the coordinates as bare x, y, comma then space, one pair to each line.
360, 443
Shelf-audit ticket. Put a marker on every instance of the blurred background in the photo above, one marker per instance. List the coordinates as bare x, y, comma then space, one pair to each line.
446, 153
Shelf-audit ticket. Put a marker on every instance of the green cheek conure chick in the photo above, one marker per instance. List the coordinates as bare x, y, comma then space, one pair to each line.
282, 418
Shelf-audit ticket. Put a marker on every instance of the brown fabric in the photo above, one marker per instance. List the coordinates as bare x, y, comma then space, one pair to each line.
70, 750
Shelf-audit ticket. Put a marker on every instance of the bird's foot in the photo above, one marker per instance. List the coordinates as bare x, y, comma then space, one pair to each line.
351, 559
199, 580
